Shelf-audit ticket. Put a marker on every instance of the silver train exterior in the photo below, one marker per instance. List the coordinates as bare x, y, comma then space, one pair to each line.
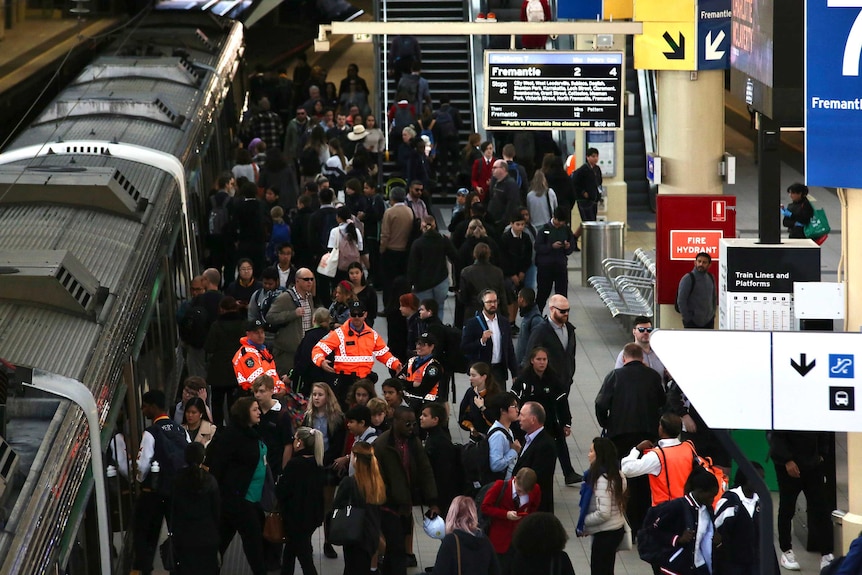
102, 202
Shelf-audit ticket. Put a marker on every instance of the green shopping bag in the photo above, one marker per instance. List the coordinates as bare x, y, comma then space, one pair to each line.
818, 226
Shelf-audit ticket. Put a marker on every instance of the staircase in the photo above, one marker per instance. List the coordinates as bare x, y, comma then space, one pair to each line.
634, 167
445, 64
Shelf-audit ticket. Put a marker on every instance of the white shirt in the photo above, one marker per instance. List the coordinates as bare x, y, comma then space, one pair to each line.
530, 437
522, 499
496, 338
333, 236
633, 465
283, 276
561, 331
147, 451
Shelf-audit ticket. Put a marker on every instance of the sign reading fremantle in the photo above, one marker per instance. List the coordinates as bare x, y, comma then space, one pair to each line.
833, 92
535, 90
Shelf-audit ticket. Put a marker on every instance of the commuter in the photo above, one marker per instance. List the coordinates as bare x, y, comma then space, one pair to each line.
516, 171
254, 359
482, 274
556, 335
628, 407
305, 372
353, 83
530, 319
482, 170
587, 181
375, 139
415, 86
243, 166
194, 318
197, 423
798, 212
325, 415
641, 331
539, 452
538, 547
798, 458
339, 132
447, 125
159, 460
321, 224
424, 377
684, 528
280, 235
279, 173
193, 386
554, 243
262, 300
290, 315
519, 257
472, 231
362, 291
275, 428
220, 347
417, 166
465, 549
540, 382
220, 237
427, 267
295, 134
488, 338
403, 51
503, 448
409, 480
430, 322
301, 226
237, 459
266, 125
251, 240
541, 199
284, 265
696, 298
667, 464
506, 503
397, 225
444, 456
245, 285
560, 182
602, 505
342, 304
300, 496
737, 522
473, 415
409, 307
196, 516
393, 394
532, 232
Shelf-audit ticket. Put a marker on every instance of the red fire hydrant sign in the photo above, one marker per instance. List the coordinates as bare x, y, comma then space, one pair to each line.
686, 244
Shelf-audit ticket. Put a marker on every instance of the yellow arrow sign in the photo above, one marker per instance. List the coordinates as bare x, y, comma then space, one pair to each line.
666, 46
665, 10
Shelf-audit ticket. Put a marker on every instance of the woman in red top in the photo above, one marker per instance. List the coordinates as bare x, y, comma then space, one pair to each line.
481, 175
499, 505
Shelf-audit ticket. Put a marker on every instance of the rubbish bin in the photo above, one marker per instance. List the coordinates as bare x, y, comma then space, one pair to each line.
599, 240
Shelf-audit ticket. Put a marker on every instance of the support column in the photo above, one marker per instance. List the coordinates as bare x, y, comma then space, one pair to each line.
851, 248
691, 131
690, 141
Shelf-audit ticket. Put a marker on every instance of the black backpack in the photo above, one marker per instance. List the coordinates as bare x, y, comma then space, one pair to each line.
476, 462
452, 358
484, 520
650, 546
309, 161
170, 452
194, 325
445, 125
219, 218
409, 87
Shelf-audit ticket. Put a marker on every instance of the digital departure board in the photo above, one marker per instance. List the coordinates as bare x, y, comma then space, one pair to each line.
536, 90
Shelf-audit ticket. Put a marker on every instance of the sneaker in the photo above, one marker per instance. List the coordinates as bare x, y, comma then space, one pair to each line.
329, 552
480, 17
574, 478
411, 560
491, 17
788, 560
826, 560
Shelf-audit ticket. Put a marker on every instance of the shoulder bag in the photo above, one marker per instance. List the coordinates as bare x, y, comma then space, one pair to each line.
328, 265
346, 524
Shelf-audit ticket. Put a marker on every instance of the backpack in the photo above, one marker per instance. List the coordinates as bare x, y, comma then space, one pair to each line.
406, 48
453, 360
194, 325
409, 87
218, 216
515, 173
476, 462
484, 520
690, 291
649, 540
280, 235
445, 124
535, 11
309, 161
403, 118
327, 222
170, 452
348, 251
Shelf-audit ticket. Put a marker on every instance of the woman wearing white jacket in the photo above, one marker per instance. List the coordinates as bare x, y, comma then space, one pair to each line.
603, 506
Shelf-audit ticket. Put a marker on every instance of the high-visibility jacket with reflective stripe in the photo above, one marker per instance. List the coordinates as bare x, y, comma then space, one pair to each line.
355, 351
676, 463
249, 363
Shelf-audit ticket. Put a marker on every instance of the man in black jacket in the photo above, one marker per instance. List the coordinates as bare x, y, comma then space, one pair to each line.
442, 454
487, 337
587, 181
557, 335
504, 197
427, 267
539, 453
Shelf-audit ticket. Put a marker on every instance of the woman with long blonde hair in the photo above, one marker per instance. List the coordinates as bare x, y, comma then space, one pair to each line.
364, 490
324, 415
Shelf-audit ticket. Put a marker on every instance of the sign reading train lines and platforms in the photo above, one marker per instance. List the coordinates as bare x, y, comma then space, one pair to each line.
535, 90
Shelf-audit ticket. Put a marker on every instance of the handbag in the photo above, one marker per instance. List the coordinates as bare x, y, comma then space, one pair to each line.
346, 525
626, 543
328, 265
166, 552
818, 225
273, 528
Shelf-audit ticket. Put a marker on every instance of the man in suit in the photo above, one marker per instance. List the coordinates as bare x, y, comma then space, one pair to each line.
539, 452
487, 337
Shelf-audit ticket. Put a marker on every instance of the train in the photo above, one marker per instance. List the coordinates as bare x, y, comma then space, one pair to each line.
103, 200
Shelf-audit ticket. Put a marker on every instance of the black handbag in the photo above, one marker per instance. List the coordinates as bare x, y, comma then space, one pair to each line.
166, 552
346, 524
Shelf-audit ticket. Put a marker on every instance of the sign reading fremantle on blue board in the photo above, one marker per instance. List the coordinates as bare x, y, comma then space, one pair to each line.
833, 93
713, 34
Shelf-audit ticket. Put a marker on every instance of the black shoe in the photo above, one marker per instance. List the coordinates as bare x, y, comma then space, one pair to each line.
577, 249
329, 552
411, 560
573, 478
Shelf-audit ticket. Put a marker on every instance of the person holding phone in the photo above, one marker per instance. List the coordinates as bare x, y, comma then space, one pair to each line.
506, 503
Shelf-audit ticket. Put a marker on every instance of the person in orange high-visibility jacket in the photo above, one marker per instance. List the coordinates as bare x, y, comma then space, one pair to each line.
424, 375
253, 359
355, 347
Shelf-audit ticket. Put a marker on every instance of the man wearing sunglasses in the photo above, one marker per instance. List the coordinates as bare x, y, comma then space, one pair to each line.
641, 331
355, 347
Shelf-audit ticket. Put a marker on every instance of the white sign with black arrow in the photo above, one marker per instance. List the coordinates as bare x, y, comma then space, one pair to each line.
766, 380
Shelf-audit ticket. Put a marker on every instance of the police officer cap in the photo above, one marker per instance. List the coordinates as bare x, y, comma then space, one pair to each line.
254, 325
427, 339
357, 307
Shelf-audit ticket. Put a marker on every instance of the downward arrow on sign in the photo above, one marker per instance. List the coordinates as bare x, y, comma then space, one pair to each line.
678, 50
712, 52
